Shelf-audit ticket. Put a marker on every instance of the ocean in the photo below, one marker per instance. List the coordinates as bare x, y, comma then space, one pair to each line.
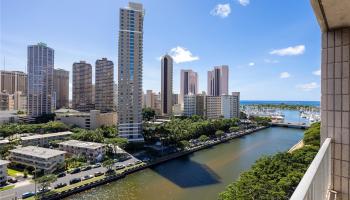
306, 103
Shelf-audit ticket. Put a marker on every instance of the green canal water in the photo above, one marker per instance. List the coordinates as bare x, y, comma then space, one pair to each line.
201, 175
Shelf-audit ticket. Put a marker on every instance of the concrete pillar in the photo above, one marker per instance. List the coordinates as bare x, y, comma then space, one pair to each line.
335, 104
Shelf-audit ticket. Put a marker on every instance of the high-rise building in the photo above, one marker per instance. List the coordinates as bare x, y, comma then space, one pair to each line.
93, 94
13, 81
230, 105
6, 101
20, 101
115, 96
200, 105
61, 87
104, 85
218, 81
149, 99
82, 87
130, 55
189, 105
188, 84
157, 103
175, 99
213, 107
40, 79
194, 105
166, 85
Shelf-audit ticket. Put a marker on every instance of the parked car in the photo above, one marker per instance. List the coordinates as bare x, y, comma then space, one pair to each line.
146, 159
74, 180
118, 167
75, 170
27, 195
40, 191
124, 158
130, 164
86, 168
60, 185
86, 177
138, 162
97, 165
98, 174
60, 175
12, 180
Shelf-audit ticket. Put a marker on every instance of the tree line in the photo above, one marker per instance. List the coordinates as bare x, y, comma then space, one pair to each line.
276, 176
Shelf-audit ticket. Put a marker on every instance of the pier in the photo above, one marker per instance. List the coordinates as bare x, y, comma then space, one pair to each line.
290, 125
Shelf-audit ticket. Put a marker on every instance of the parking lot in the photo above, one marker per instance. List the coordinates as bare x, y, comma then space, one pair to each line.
29, 186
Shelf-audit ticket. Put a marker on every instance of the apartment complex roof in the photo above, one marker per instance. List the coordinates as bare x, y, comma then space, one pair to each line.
82, 144
38, 152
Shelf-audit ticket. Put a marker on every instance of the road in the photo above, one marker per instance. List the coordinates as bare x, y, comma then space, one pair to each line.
18, 191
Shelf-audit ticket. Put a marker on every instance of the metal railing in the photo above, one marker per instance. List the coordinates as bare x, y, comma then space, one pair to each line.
316, 181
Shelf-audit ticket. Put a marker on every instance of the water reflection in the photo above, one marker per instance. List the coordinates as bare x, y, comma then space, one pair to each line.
187, 173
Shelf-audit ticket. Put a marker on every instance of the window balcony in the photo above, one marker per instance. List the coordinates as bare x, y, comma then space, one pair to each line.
315, 184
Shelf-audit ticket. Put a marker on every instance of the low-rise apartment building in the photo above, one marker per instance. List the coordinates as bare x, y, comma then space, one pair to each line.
47, 160
92, 151
3, 171
41, 140
92, 120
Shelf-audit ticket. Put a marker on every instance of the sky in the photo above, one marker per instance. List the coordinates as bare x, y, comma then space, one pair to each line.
272, 47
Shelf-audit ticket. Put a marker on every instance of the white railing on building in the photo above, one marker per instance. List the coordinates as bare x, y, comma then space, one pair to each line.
315, 183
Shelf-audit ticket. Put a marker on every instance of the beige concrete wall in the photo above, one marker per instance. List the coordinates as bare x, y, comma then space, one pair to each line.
335, 104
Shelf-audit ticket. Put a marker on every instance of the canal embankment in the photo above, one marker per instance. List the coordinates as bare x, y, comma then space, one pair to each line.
71, 189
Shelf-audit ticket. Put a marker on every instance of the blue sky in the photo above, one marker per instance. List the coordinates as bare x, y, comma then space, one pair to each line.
272, 47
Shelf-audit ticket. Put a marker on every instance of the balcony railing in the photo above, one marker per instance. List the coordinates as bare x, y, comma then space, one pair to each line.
315, 183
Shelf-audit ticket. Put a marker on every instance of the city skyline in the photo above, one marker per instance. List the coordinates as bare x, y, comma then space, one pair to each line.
290, 65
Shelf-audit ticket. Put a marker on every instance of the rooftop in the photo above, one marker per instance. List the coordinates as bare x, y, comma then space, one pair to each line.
37, 152
82, 144
4, 162
37, 136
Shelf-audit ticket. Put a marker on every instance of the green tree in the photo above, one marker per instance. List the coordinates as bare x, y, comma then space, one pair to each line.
184, 144
219, 133
45, 181
108, 164
234, 129
109, 131
312, 136
275, 177
88, 135
116, 142
74, 162
148, 114
203, 138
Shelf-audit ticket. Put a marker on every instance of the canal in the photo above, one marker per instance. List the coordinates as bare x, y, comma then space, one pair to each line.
201, 175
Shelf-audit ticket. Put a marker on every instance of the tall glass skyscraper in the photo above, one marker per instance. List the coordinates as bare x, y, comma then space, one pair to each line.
218, 81
40, 79
130, 53
167, 85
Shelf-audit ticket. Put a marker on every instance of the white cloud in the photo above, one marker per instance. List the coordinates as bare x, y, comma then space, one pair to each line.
308, 86
181, 54
221, 10
244, 2
271, 61
289, 51
317, 72
284, 75
251, 64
